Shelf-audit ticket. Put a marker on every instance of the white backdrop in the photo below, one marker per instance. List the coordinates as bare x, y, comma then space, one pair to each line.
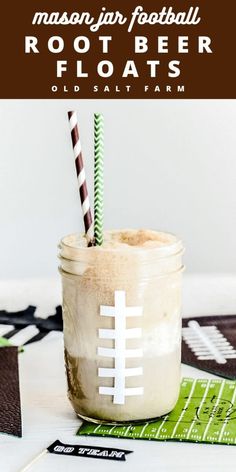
169, 165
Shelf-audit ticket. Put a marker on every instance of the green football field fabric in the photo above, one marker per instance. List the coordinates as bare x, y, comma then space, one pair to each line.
205, 412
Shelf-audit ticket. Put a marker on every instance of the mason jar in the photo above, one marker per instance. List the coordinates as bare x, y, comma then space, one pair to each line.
122, 324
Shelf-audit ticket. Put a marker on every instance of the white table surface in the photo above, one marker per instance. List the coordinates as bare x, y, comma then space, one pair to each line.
47, 414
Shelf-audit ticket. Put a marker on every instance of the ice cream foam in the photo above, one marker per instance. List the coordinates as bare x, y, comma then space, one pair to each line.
124, 239
122, 250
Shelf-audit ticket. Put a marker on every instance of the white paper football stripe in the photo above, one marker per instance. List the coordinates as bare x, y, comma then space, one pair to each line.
204, 328
199, 347
106, 390
213, 333
111, 333
128, 372
106, 333
230, 355
106, 372
129, 311
192, 335
212, 348
204, 348
106, 352
210, 358
24, 335
193, 338
198, 343
119, 353
201, 351
4, 329
107, 310
210, 328
128, 391
120, 323
109, 352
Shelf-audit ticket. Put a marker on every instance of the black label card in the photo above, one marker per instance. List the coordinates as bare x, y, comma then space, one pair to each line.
88, 451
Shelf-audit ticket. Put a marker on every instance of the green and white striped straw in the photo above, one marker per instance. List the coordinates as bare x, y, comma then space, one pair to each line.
98, 177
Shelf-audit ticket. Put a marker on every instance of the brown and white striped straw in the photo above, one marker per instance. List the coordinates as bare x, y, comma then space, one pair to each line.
79, 165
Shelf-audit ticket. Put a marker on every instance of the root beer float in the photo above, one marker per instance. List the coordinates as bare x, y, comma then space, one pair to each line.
122, 321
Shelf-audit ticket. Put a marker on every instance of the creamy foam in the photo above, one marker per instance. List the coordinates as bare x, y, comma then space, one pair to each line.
120, 253
125, 239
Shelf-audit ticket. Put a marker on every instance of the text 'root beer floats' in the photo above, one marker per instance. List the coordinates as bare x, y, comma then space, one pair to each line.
152, 49
121, 311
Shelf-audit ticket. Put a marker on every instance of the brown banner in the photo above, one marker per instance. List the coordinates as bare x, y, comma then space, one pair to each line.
114, 49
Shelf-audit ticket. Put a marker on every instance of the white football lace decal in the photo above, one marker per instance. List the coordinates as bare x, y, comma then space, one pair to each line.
119, 334
208, 343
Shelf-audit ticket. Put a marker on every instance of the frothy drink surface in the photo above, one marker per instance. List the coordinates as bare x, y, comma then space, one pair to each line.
145, 267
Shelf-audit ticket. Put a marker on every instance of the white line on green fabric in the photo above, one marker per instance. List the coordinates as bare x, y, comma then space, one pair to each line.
97, 428
113, 427
185, 406
216, 403
225, 421
127, 429
143, 429
159, 429
199, 408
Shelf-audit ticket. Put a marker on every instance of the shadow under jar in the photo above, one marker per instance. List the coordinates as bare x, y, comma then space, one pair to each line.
122, 324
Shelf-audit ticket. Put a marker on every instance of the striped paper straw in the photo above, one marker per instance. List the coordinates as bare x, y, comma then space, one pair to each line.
98, 177
84, 198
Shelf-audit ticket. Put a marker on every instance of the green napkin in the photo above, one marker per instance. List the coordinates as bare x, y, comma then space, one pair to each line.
205, 412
